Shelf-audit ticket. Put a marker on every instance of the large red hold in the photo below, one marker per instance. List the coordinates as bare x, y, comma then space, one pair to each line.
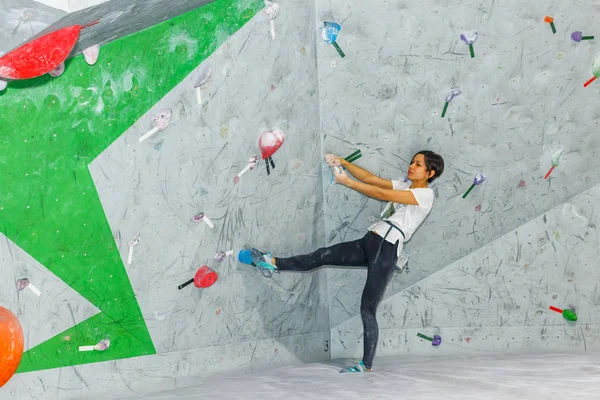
41, 55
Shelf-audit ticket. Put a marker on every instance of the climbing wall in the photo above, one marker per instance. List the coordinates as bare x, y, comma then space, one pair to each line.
82, 194
122, 180
22, 19
498, 298
522, 101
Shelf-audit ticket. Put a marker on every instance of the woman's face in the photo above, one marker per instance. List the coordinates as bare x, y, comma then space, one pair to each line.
417, 170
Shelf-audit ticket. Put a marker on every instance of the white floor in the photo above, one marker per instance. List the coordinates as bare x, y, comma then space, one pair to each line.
510, 376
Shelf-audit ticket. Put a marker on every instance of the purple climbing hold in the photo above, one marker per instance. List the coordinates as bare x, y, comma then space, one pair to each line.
437, 340
469, 37
577, 36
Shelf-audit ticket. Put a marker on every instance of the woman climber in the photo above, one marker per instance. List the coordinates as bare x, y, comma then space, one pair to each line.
409, 203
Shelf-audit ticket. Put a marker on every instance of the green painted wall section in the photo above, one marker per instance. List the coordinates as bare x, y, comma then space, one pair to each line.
50, 131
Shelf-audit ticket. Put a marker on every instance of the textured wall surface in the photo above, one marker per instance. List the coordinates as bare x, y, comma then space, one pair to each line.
522, 99
22, 19
497, 298
25, 20
119, 18
79, 186
71, 5
156, 188
50, 207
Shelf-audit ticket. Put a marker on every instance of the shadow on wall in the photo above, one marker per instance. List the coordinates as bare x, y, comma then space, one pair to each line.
285, 304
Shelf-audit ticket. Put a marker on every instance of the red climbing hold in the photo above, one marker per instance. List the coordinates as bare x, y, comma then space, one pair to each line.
41, 55
205, 277
269, 142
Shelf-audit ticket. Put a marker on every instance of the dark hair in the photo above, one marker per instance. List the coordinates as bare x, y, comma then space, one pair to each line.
433, 162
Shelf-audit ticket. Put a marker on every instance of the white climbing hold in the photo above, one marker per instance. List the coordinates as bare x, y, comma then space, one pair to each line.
58, 71
91, 54
272, 10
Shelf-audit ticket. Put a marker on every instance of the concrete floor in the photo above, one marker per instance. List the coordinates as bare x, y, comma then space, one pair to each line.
508, 376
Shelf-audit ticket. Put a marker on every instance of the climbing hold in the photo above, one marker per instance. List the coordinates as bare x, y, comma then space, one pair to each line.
478, 180
252, 163
453, 93
568, 314
272, 10
203, 217
595, 71
221, 255
469, 38
329, 34
203, 80
436, 340
100, 346
160, 123
25, 283
58, 71
91, 54
269, 142
351, 158
41, 55
11, 345
577, 36
205, 277
134, 242
555, 162
550, 20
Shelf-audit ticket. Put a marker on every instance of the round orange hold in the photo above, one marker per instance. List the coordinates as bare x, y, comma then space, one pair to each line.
11, 345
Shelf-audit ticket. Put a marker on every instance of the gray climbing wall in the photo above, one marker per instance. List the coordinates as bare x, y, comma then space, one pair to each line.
157, 187
244, 322
497, 298
522, 99
119, 18
473, 278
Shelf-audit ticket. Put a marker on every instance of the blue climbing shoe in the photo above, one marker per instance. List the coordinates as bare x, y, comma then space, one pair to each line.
262, 261
360, 367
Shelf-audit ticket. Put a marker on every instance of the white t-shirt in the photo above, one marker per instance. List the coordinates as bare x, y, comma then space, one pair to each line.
406, 217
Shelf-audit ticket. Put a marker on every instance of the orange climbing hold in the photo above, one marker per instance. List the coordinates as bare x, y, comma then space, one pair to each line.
11, 345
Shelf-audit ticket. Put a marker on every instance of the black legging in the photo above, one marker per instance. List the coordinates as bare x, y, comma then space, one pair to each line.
377, 254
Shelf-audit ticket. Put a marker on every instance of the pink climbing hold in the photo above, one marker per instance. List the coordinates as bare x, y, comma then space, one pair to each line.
58, 71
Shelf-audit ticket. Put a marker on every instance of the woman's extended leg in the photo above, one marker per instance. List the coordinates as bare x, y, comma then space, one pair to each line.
353, 253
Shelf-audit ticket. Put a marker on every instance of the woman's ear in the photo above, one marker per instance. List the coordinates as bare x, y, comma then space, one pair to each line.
431, 173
